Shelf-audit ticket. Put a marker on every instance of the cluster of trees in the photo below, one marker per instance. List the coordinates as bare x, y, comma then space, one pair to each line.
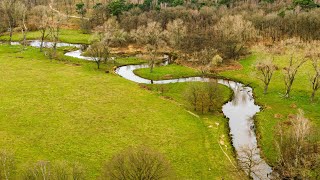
40, 169
133, 163
194, 26
204, 97
18, 15
200, 33
307, 52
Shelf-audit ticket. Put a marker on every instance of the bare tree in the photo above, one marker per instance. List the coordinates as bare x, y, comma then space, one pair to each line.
111, 33
21, 18
10, 10
54, 30
41, 17
78, 171
99, 51
290, 73
192, 96
249, 161
138, 163
60, 170
315, 78
266, 68
7, 165
43, 170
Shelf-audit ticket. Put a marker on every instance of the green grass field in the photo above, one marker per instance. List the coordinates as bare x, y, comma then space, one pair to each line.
276, 107
66, 35
167, 72
56, 110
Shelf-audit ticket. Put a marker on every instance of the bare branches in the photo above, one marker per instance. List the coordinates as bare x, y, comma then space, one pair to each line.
233, 34
204, 97
250, 161
138, 163
99, 51
315, 78
7, 165
298, 150
152, 36
175, 32
290, 73
266, 69
41, 15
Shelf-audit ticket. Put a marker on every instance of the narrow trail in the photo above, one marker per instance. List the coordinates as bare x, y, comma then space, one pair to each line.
62, 14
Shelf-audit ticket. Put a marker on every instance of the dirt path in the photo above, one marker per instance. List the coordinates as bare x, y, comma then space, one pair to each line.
62, 14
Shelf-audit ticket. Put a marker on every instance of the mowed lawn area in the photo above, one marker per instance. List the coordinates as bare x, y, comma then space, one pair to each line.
51, 110
276, 108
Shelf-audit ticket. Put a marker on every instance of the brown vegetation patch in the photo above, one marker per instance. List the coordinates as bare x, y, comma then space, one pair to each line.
143, 86
167, 76
294, 106
278, 116
291, 116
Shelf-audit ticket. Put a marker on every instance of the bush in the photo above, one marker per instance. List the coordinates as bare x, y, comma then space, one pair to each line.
137, 163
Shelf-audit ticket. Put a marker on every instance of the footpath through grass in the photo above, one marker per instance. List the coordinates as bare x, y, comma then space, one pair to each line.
52, 110
66, 35
276, 108
167, 72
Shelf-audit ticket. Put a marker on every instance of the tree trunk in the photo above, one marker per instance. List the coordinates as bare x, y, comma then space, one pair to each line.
151, 66
313, 95
42, 39
98, 64
265, 89
287, 95
10, 39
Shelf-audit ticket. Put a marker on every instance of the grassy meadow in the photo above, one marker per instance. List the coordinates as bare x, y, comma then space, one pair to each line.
66, 35
62, 110
171, 71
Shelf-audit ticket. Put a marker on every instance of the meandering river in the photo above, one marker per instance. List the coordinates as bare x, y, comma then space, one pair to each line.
240, 110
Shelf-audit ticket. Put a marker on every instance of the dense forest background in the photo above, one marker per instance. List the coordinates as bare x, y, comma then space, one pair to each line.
223, 26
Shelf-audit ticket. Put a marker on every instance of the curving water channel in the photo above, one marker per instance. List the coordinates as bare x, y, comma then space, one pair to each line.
240, 110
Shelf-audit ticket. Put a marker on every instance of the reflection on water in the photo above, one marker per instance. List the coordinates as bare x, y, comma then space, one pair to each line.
37, 43
77, 54
240, 112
